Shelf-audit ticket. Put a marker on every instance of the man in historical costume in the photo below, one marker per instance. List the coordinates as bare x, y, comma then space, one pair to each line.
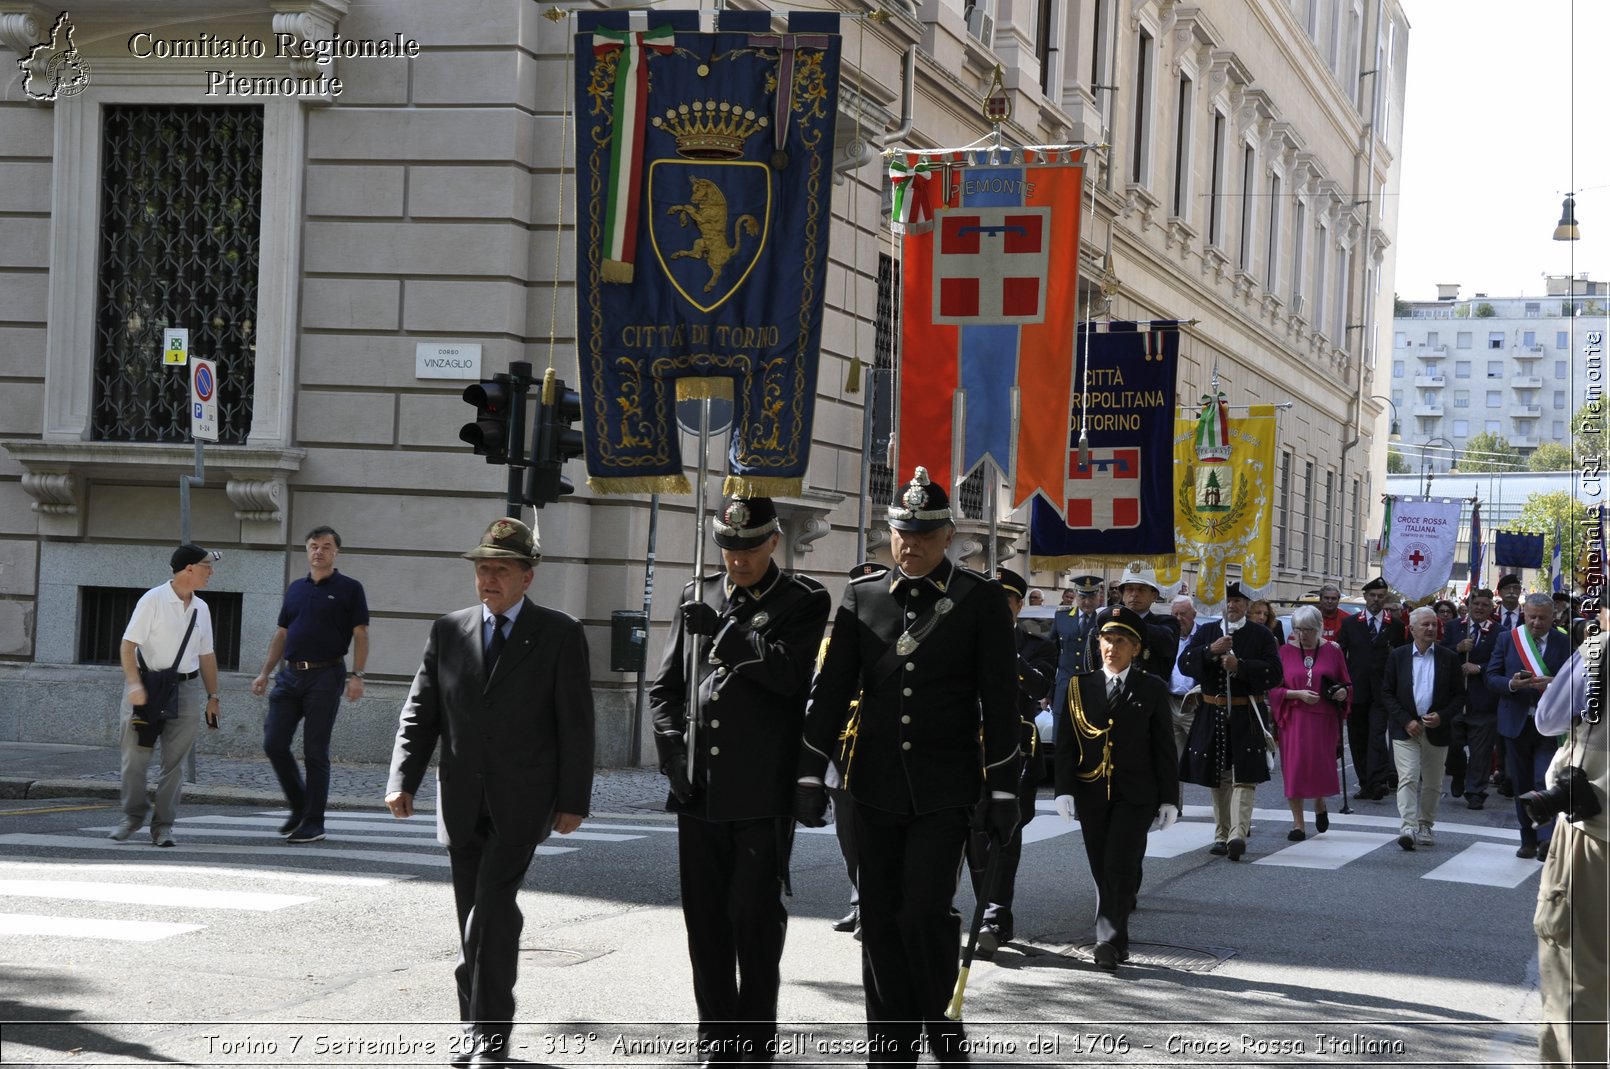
928, 648
756, 629
1036, 669
1422, 691
1116, 769
1233, 660
504, 687
1524, 663
1366, 638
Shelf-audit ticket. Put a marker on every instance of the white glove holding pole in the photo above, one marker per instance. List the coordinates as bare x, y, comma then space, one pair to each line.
1065, 807
1166, 817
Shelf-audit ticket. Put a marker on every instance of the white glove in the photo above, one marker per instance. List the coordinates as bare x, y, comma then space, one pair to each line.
1166, 817
1065, 807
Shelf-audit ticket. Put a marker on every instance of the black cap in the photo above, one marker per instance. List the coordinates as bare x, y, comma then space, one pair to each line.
1233, 589
921, 506
189, 554
1118, 618
1087, 584
507, 539
745, 522
1378, 583
1512, 579
1015, 584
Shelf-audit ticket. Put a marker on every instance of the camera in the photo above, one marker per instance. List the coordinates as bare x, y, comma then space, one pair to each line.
1572, 795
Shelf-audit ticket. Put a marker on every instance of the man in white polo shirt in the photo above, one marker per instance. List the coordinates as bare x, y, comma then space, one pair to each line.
156, 632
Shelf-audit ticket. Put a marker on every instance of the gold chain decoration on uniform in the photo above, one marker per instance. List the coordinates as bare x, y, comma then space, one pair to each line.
1087, 730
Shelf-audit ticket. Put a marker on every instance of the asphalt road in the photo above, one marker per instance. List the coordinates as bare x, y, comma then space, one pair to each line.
235, 949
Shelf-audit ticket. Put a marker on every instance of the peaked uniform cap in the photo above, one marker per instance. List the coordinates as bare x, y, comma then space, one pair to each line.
1014, 583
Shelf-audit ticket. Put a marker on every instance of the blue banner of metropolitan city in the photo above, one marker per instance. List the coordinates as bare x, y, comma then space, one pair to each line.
704, 176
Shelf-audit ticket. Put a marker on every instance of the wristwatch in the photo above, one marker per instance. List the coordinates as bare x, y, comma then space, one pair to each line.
212, 697
354, 675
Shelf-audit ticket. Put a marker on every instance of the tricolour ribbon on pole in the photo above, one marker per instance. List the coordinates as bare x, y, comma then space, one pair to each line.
910, 203
625, 193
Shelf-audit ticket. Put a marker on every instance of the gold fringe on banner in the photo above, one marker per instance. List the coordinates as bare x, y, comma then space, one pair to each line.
1057, 564
761, 486
694, 389
615, 271
642, 484
852, 381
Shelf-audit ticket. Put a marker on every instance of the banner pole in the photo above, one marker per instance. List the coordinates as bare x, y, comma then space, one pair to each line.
692, 651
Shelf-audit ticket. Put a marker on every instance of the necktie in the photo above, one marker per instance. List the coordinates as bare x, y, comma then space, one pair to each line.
1375, 625
494, 648
1113, 690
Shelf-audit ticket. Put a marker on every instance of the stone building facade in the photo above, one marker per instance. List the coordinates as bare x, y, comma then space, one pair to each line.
320, 192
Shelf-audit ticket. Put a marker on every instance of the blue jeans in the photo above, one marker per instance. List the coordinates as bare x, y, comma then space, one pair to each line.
311, 698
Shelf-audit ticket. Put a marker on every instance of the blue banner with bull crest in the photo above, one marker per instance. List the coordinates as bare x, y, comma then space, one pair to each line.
704, 176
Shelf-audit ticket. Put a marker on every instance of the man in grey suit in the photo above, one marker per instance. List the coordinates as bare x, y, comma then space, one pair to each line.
505, 686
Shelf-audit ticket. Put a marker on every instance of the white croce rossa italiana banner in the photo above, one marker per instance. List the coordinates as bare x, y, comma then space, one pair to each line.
1421, 546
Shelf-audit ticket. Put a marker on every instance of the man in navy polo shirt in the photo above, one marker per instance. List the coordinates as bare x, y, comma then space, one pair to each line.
321, 616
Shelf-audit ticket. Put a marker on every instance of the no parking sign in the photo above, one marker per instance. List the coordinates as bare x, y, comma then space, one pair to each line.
203, 400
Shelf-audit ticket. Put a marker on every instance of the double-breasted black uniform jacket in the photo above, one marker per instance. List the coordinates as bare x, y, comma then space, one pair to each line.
916, 744
1257, 669
1126, 754
1036, 673
754, 677
1367, 651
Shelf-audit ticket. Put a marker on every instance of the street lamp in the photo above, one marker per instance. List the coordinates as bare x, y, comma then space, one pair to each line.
1394, 433
1429, 473
1567, 229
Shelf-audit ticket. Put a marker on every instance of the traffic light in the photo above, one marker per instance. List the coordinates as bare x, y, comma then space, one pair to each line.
553, 441
495, 403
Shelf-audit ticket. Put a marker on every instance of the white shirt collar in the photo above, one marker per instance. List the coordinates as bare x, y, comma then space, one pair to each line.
511, 614
1121, 677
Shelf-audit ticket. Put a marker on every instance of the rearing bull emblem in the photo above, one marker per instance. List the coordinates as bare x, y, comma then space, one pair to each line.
708, 212
729, 204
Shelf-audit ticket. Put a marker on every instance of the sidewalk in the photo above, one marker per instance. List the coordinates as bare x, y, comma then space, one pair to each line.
46, 770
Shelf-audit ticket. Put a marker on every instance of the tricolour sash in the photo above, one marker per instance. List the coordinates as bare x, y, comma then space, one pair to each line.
1530, 653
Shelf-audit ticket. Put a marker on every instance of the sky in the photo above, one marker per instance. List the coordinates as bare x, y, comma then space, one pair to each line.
1498, 127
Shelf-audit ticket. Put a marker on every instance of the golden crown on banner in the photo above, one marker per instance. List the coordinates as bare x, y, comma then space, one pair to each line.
705, 130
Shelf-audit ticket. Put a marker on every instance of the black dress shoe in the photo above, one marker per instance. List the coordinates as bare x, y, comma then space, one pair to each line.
989, 941
1236, 847
1106, 956
1219, 849
1296, 835
1322, 821
294, 823
1542, 851
1364, 794
849, 922
1475, 801
1527, 850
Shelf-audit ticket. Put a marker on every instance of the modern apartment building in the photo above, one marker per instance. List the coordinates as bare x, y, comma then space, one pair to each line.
362, 209
1510, 366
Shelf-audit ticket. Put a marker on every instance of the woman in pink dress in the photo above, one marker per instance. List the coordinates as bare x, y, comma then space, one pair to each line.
1314, 697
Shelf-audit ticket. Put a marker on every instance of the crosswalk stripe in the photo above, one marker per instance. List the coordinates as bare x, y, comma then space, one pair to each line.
1486, 863
1331, 850
149, 894
414, 834
1184, 837
17, 867
395, 857
92, 928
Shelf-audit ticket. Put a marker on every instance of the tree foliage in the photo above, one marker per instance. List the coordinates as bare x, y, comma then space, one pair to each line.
1550, 456
1539, 515
1488, 452
1485, 311
1395, 462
